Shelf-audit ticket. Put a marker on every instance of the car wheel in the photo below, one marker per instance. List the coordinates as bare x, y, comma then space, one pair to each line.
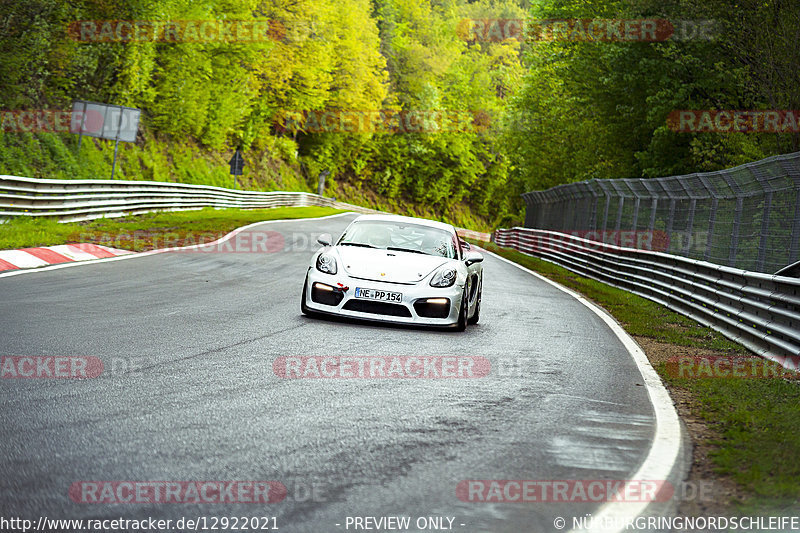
303, 307
477, 315
461, 325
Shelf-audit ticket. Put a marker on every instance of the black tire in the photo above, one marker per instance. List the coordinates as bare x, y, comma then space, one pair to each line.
303, 307
461, 325
477, 315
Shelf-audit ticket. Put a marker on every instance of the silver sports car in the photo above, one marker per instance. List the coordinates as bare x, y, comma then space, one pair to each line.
396, 269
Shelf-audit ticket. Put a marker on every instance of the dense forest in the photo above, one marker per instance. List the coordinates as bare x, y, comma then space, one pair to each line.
526, 112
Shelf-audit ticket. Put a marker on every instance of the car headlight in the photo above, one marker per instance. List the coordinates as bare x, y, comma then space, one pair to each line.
444, 277
326, 263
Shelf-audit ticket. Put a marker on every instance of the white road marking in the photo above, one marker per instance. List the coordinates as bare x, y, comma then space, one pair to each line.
668, 438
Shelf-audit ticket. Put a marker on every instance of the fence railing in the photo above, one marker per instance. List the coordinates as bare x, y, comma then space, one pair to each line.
759, 311
74, 200
745, 217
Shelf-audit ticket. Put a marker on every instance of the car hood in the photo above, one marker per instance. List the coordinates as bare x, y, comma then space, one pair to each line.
387, 265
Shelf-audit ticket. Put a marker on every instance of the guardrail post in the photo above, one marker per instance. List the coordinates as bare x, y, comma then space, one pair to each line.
794, 247
653, 210
737, 222
712, 216
636, 203
577, 203
763, 180
620, 207
689, 226
651, 226
595, 201
690, 221
762, 242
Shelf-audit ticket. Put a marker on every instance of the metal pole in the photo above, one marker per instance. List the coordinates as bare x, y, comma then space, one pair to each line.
670, 220
762, 242
712, 215
689, 226
737, 219
595, 200
114, 164
653, 195
321, 182
766, 212
83, 122
712, 221
653, 210
116, 144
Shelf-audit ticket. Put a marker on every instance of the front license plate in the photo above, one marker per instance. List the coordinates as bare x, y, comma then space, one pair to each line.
383, 296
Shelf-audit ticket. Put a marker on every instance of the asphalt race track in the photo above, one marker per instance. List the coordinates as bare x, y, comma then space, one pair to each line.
188, 392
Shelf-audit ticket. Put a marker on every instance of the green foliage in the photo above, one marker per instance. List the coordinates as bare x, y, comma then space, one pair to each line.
599, 109
201, 100
550, 112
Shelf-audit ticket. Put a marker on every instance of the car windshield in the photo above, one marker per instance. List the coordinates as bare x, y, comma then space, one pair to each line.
400, 236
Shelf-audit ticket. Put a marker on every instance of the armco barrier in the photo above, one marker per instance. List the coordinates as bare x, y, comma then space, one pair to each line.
760, 311
73, 200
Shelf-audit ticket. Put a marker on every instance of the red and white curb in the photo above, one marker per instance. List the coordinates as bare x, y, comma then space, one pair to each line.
53, 255
26, 260
122, 255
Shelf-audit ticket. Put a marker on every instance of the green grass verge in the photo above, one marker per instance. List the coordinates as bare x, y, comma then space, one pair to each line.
759, 426
757, 420
143, 232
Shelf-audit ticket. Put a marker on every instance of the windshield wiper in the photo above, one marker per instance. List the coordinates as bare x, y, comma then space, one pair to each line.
406, 250
356, 244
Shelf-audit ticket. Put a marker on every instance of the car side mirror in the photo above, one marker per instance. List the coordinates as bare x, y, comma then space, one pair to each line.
324, 239
472, 257
465, 245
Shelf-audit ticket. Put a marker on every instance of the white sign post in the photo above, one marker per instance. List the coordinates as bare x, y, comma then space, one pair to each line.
112, 122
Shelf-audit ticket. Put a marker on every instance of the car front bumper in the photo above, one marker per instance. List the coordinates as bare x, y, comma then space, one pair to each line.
414, 308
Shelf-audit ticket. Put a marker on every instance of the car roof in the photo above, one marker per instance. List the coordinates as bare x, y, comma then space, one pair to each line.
408, 220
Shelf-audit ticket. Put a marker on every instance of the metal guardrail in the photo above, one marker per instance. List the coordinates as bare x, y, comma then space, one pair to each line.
759, 311
75, 200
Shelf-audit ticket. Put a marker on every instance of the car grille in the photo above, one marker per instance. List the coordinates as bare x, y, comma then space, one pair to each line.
377, 308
